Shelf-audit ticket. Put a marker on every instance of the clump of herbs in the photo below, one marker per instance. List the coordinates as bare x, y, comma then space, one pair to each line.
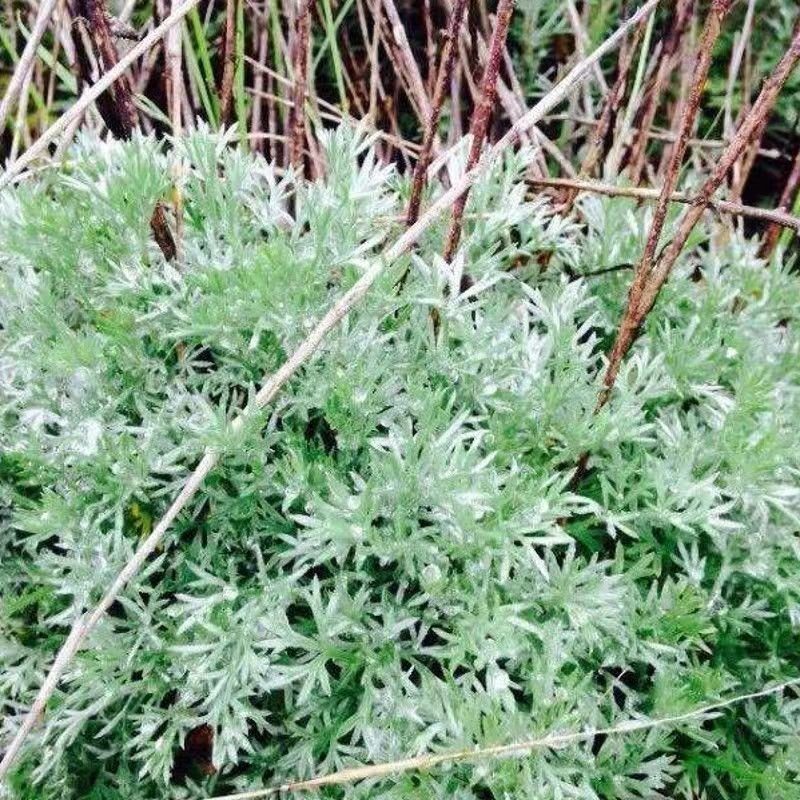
393, 561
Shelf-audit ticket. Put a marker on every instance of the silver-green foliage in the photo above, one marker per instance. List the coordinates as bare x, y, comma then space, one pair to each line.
392, 560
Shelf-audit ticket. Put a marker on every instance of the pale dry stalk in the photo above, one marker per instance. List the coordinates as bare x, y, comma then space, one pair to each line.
551, 741
258, 85
173, 56
409, 72
740, 45
608, 114
68, 119
26, 60
778, 217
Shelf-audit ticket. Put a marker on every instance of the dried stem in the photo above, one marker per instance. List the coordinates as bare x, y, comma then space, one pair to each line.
740, 46
443, 76
670, 138
753, 122
788, 197
90, 95
612, 103
158, 224
116, 106
611, 106
779, 217
481, 115
407, 64
258, 86
228, 53
297, 118
86, 624
26, 60
649, 104
172, 53
711, 30
736, 62
745, 166
582, 40
551, 741
640, 304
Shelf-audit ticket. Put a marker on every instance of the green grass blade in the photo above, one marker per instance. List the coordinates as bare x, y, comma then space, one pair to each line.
330, 41
204, 59
194, 68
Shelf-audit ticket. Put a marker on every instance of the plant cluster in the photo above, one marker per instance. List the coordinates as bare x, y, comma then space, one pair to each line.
392, 558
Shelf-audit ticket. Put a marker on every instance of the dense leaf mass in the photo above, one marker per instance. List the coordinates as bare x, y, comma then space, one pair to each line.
391, 560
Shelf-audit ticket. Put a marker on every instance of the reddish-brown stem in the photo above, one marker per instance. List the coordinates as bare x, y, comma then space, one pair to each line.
481, 115
443, 75
711, 30
649, 105
788, 197
430, 47
685, 67
612, 103
655, 279
744, 168
116, 105
611, 106
228, 46
297, 118
752, 123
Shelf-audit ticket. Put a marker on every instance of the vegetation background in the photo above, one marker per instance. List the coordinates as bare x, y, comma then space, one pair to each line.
544, 476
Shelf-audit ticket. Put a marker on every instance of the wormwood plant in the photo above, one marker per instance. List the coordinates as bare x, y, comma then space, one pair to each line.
390, 560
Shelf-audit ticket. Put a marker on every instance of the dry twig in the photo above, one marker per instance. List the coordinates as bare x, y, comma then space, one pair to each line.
779, 217
788, 197
515, 749
611, 106
649, 104
711, 30
115, 105
649, 283
443, 75
25, 64
297, 117
407, 64
481, 115
228, 48
76, 111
